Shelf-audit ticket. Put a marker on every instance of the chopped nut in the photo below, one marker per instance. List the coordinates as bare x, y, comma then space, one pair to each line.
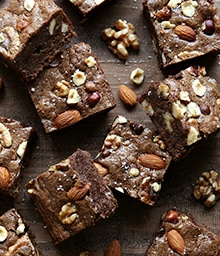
178, 109
73, 97
21, 227
168, 119
174, 3
193, 136
68, 214
52, 26
193, 110
160, 142
79, 77
6, 139
198, 88
167, 24
120, 38
3, 233
207, 188
14, 39
137, 76
163, 14
147, 107
188, 7
21, 149
101, 169
184, 96
156, 187
90, 61
113, 141
29, 5
133, 172
64, 27
62, 88
163, 90
22, 24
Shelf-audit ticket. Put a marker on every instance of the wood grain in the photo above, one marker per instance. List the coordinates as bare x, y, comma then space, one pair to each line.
134, 223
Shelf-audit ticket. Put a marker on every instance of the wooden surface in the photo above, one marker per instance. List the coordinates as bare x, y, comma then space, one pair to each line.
134, 223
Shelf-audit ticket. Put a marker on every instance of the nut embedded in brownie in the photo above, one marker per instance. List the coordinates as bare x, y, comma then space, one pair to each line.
185, 108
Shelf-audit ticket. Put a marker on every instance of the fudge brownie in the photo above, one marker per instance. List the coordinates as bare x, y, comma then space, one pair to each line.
86, 6
15, 142
133, 160
71, 196
73, 88
179, 234
185, 108
15, 238
32, 33
182, 30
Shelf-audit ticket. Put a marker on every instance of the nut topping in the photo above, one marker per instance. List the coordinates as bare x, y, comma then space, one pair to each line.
113, 249
93, 99
3, 233
29, 5
78, 191
185, 32
101, 169
137, 76
22, 24
127, 95
208, 27
175, 241
171, 216
4, 177
152, 161
67, 118
163, 14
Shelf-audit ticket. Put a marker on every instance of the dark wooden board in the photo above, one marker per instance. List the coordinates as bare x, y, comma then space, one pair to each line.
134, 223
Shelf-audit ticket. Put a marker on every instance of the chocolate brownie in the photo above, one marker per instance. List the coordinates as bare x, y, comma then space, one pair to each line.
71, 196
133, 160
73, 88
179, 234
32, 33
15, 142
182, 30
185, 108
15, 238
85, 7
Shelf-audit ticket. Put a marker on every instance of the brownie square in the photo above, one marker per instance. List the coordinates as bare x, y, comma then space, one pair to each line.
179, 234
72, 89
71, 196
15, 237
133, 160
15, 142
85, 7
32, 33
185, 108
182, 30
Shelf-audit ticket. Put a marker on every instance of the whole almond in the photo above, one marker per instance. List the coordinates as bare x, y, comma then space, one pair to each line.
67, 118
127, 95
185, 32
152, 161
114, 249
4, 177
78, 192
101, 169
175, 241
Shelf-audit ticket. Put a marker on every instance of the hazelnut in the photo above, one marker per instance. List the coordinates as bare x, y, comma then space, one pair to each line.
22, 24
208, 27
163, 14
3, 233
93, 99
79, 77
137, 128
205, 109
29, 5
137, 76
171, 216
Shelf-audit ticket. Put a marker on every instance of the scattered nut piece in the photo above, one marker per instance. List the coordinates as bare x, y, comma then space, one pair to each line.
21, 149
3, 233
6, 139
188, 7
113, 249
168, 119
208, 27
21, 227
73, 97
178, 109
133, 172
137, 76
52, 26
174, 3
101, 169
207, 188
93, 99
163, 14
198, 88
62, 88
193, 136
121, 38
171, 216
127, 95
